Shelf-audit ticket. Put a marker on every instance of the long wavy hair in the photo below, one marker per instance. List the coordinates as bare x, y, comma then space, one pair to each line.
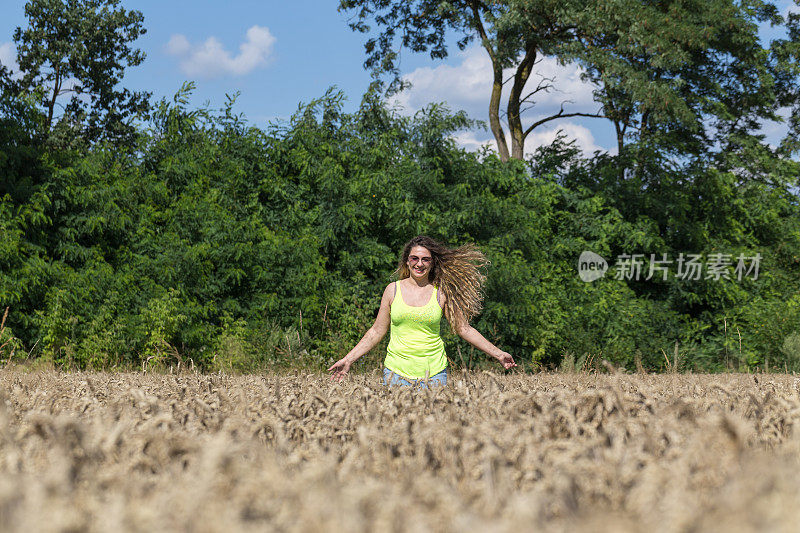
454, 271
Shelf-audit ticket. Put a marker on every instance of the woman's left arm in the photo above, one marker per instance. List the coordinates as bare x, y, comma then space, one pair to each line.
473, 336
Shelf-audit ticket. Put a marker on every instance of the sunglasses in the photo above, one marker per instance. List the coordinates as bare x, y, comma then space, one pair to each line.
413, 259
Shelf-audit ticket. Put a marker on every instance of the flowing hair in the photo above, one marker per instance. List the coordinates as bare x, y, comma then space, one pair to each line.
454, 271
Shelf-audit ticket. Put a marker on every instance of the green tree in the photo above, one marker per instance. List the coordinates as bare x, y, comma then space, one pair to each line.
239, 248
684, 75
655, 63
81, 48
786, 52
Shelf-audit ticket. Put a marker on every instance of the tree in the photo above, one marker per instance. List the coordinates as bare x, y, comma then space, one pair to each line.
787, 54
81, 48
647, 58
695, 74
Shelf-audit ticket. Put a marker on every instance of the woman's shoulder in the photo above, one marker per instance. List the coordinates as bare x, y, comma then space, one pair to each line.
390, 291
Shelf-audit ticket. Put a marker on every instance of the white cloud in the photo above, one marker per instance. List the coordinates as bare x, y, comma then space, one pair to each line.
7, 54
210, 59
790, 7
8, 58
465, 86
178, 45
471, 141
774, 131
468, 86
581, 134
475, 141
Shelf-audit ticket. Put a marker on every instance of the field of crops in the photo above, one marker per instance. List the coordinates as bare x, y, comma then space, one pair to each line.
550, 452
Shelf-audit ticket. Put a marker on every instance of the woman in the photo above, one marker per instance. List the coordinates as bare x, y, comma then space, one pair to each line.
433, 280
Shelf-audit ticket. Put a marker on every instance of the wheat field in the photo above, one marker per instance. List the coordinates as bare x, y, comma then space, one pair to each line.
545, 452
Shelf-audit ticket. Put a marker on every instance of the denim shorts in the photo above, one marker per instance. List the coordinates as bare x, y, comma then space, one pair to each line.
390, 378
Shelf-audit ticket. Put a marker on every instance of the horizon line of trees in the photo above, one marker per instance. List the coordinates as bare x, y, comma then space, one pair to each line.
135, 233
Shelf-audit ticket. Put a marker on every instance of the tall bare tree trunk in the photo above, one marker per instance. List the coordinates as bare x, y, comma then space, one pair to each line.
514, 119
494, 113
497, 86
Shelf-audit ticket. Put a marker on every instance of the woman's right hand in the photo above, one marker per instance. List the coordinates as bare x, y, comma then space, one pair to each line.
340, 369
506, 360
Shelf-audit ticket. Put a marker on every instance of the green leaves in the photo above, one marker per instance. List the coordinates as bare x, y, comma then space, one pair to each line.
81, 48
238, 248
684, 76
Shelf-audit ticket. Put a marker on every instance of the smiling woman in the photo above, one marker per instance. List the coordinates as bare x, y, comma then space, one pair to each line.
433, 280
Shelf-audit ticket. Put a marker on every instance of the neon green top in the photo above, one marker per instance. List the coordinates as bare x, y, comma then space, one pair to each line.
415, 346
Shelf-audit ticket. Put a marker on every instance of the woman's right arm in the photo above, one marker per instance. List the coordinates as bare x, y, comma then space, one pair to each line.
370, 339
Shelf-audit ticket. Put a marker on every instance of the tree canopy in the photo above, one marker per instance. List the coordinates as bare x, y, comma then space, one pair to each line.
688, 71
81, 48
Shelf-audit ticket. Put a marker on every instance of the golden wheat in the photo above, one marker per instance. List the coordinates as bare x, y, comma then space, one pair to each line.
577, 452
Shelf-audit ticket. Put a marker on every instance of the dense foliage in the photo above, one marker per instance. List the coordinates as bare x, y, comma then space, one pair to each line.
135, 235
235, 247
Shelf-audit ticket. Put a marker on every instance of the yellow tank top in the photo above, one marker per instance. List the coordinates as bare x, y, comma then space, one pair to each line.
415, 346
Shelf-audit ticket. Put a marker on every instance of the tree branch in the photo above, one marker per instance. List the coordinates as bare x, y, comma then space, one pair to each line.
540, 87
561, 114
56, 90
476, 16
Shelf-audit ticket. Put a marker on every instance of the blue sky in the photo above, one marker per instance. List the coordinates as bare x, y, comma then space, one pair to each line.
312, 49
278, 54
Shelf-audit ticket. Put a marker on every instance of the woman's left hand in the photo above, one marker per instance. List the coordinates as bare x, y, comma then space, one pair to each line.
506, 360
340, 369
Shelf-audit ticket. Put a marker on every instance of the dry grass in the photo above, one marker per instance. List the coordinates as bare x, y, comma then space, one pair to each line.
575, 452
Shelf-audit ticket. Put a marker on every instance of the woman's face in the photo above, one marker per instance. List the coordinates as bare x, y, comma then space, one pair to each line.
419, 262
